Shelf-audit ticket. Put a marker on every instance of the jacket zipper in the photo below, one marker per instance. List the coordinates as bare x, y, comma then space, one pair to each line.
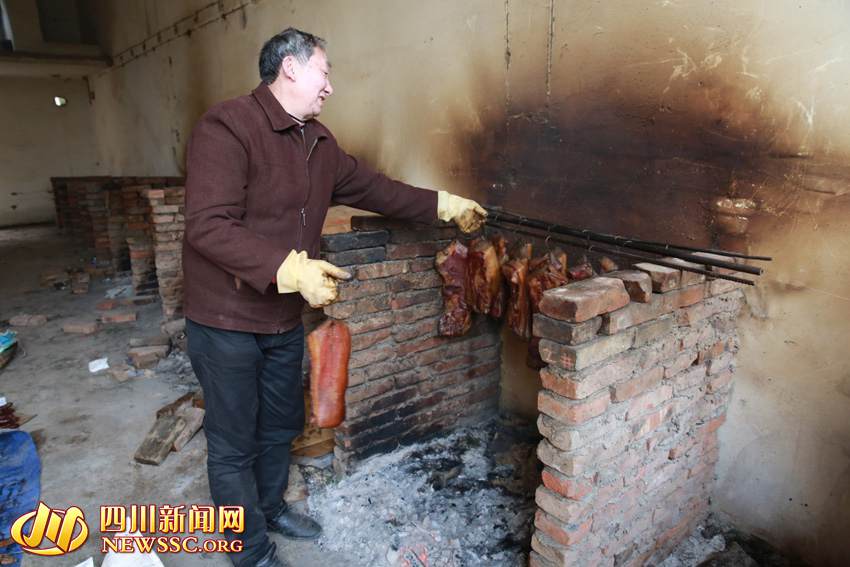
303, 210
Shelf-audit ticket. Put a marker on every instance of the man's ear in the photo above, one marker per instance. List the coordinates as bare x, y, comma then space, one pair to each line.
288, 67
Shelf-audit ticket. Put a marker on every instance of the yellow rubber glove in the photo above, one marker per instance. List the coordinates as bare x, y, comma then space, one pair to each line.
315, 280
465, 213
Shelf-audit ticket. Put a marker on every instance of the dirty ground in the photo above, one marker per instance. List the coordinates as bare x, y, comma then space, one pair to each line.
90, 425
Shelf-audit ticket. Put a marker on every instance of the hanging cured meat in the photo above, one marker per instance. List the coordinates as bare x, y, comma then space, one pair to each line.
550, 271
484, 276
451, 264
546, 272
582, 271
330, 348
497, 309
516, 274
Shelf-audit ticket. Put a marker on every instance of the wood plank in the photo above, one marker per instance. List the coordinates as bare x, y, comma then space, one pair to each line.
177, 405
159, 440
315, 450
312, 434
194, 418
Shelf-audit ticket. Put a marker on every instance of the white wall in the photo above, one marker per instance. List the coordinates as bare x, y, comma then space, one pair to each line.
39, 140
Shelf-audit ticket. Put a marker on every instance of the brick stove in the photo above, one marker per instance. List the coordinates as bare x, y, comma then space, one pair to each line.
639, 366
637, 381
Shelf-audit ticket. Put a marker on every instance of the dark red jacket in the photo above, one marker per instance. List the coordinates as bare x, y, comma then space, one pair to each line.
256, 188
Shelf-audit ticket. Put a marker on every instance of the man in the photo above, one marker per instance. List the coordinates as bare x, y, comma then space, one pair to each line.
261, 174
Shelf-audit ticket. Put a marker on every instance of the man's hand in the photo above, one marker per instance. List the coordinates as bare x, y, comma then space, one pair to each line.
315, 280
465, 213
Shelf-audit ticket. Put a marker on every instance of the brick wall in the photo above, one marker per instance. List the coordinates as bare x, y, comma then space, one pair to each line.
636, 384
405, 382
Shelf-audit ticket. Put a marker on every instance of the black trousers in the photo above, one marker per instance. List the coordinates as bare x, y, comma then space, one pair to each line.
254, 402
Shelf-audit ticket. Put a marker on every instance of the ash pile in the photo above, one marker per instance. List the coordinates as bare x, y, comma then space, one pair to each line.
462, 500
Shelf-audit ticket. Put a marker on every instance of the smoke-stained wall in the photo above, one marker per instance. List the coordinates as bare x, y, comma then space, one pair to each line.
629, 117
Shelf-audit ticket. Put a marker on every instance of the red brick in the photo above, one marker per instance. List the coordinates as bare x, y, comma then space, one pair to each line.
568, 534
572, 511
638, 385
564, 332
147, 357
417, 346
638, 284
27, 320
716, 365
119, 317
422, 328
572, 488
401, 251
720, 381
649, 401
636, 313
421, 264
679, 364
82, 327
577, 357
715, 423
370, 322
583, 300
408, 298
417, 312
369, 390
356, 289
108, 304
362, 306
365, 340
570, 411
690, 295
381, 269
418, 280
663, 278
686, 277
650, 422
370, 356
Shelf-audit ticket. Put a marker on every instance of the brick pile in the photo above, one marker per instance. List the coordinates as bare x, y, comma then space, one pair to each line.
405, 381
168, 223
637, 382
139, 240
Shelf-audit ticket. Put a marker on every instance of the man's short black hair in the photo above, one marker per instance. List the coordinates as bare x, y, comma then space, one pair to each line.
290, 41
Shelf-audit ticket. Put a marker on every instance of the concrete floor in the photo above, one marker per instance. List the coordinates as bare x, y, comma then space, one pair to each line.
92, 424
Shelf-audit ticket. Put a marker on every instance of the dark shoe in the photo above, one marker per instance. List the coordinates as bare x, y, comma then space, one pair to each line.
294, 525
270, 559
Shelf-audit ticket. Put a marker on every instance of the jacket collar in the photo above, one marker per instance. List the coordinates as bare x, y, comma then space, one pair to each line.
277, 116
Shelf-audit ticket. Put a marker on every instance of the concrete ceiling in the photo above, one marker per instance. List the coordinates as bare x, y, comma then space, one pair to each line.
18, 64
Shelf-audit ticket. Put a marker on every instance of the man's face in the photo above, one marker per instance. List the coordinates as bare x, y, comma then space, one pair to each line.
312, 85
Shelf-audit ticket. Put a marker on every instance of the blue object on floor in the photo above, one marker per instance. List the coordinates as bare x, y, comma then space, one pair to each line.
20, 486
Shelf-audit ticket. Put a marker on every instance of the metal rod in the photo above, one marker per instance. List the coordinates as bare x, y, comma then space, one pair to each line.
618, 241
580, 242
706, 250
